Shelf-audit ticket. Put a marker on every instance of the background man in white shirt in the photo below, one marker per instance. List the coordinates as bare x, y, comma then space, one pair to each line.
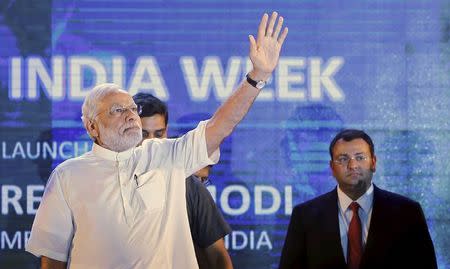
118, 205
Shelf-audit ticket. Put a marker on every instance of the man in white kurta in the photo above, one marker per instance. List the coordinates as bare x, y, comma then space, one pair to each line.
119, 206
122, 210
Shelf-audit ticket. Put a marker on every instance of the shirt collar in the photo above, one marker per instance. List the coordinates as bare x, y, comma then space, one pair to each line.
365, 201
111, 155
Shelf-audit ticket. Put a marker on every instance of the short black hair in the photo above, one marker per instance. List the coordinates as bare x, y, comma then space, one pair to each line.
151, 105
349, 135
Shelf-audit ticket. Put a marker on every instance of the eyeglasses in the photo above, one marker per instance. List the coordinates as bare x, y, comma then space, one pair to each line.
118, 110
344, 160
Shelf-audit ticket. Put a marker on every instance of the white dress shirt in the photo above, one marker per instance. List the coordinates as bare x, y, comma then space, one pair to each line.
122, 210
345, 215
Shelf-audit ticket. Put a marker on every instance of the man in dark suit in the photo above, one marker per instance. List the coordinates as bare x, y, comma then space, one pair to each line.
386, 231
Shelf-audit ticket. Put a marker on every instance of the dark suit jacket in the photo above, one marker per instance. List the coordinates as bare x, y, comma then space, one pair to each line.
398, 235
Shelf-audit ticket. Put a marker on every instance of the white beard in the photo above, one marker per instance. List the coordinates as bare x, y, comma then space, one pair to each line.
113, 141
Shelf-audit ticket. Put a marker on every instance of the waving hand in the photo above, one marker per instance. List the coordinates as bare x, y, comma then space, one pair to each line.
265, 50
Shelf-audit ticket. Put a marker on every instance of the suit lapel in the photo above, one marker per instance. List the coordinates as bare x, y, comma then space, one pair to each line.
331, 220
376, 235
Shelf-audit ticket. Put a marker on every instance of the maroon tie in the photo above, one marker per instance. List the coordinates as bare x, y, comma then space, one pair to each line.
354, 252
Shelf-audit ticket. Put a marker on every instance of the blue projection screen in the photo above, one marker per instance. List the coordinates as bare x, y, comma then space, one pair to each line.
381, 66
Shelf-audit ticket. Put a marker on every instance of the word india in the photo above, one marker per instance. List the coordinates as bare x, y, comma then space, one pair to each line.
237, 240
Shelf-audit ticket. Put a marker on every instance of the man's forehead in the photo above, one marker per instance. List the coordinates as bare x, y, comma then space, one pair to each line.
357, 145
156, 121
118, 98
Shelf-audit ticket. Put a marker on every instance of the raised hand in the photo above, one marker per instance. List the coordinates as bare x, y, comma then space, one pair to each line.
265, 50
264, 54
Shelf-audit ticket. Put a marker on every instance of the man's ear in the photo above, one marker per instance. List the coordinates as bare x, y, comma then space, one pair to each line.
373, 165
92, 128
331, 167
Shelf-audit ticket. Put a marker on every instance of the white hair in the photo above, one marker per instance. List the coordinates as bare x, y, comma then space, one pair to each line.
94, 97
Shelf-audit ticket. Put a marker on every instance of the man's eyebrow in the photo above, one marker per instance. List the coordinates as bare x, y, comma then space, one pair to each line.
128, 105
357, 153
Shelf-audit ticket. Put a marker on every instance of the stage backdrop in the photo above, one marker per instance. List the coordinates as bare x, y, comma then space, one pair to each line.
382, 66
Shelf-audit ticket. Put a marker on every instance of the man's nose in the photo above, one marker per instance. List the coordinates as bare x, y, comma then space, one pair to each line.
131, 116
352, 163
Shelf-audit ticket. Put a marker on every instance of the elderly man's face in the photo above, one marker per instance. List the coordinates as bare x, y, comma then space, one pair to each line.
117, 124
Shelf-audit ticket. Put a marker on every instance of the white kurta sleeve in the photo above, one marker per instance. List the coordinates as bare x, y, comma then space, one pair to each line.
187, 153
52, 231
192, 152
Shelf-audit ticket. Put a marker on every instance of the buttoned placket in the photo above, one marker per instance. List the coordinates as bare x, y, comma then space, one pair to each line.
124, 185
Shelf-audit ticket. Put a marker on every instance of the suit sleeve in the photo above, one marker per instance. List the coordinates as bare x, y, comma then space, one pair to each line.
421, 241
294, 249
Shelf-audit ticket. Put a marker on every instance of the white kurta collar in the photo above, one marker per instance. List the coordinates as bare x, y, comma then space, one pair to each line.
111, 155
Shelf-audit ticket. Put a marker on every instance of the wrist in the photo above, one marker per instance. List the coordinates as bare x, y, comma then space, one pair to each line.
259, 75
259, 84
